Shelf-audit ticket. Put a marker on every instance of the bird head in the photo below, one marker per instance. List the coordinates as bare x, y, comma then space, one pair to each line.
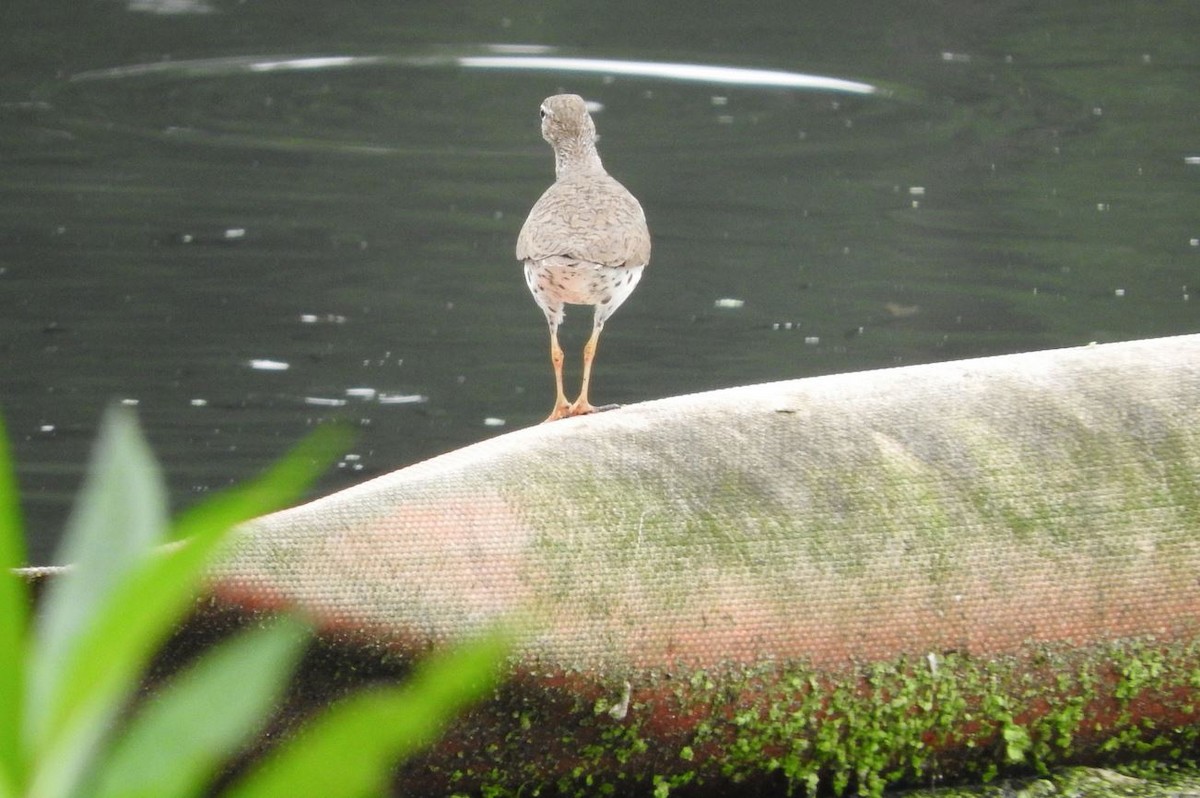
566, 121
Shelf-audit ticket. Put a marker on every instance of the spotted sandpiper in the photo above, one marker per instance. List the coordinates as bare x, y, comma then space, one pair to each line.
585, 241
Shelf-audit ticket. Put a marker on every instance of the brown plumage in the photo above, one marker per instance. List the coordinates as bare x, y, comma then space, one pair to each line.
585, 241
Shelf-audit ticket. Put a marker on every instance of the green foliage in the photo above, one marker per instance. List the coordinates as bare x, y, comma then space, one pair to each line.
65, 689
166, 752
14, 610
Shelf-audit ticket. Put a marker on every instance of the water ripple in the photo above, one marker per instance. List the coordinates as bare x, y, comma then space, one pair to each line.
702, 73
498, 57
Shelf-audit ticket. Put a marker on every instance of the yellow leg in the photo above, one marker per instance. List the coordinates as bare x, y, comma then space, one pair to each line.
582, 405
562, 407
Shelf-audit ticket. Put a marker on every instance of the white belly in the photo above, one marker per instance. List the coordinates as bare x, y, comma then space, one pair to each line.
556, 284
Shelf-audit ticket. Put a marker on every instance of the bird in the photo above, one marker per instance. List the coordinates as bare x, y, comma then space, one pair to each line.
585, 241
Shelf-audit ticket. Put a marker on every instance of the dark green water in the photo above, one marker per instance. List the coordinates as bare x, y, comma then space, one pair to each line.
188, 187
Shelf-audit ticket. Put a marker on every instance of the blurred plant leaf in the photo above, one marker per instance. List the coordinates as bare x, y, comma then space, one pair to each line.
125, 592
284, 483
112, 644
180, 739
118, 519
369, 732
14, 615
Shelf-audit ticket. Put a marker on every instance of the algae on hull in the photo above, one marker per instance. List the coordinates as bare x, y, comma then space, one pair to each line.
866, 729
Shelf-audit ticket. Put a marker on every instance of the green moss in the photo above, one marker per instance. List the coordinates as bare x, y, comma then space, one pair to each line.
862, 730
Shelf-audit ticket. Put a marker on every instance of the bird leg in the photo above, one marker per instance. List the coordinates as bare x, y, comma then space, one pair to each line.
562, 408
582, 406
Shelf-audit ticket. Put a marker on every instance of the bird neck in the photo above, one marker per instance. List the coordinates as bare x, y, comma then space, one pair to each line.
576, 157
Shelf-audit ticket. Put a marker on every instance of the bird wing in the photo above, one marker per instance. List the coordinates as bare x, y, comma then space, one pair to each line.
593, 218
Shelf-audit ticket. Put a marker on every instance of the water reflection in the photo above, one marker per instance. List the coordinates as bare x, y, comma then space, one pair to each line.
526, 61
230, 65
699, 73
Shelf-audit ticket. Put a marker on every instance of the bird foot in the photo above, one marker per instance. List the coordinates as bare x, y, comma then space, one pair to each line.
581, 407
561, 410
577, 409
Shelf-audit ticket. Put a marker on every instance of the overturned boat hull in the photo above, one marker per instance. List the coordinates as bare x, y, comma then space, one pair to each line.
861, 578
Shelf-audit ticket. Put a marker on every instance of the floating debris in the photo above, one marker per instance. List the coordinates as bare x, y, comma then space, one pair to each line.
351, 461
171, 7
198, 403
362, 393
402, 399
321, 401
269, 365
1119, 292
322, 318
729, 302
228, 235
492, 421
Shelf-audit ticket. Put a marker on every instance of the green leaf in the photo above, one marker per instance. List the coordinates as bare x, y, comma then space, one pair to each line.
1016, 742
14, 618
100, 668
284, 483
350, 750
119, 517
176, 744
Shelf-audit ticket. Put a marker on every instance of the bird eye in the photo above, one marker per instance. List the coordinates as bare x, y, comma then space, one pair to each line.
544, 114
